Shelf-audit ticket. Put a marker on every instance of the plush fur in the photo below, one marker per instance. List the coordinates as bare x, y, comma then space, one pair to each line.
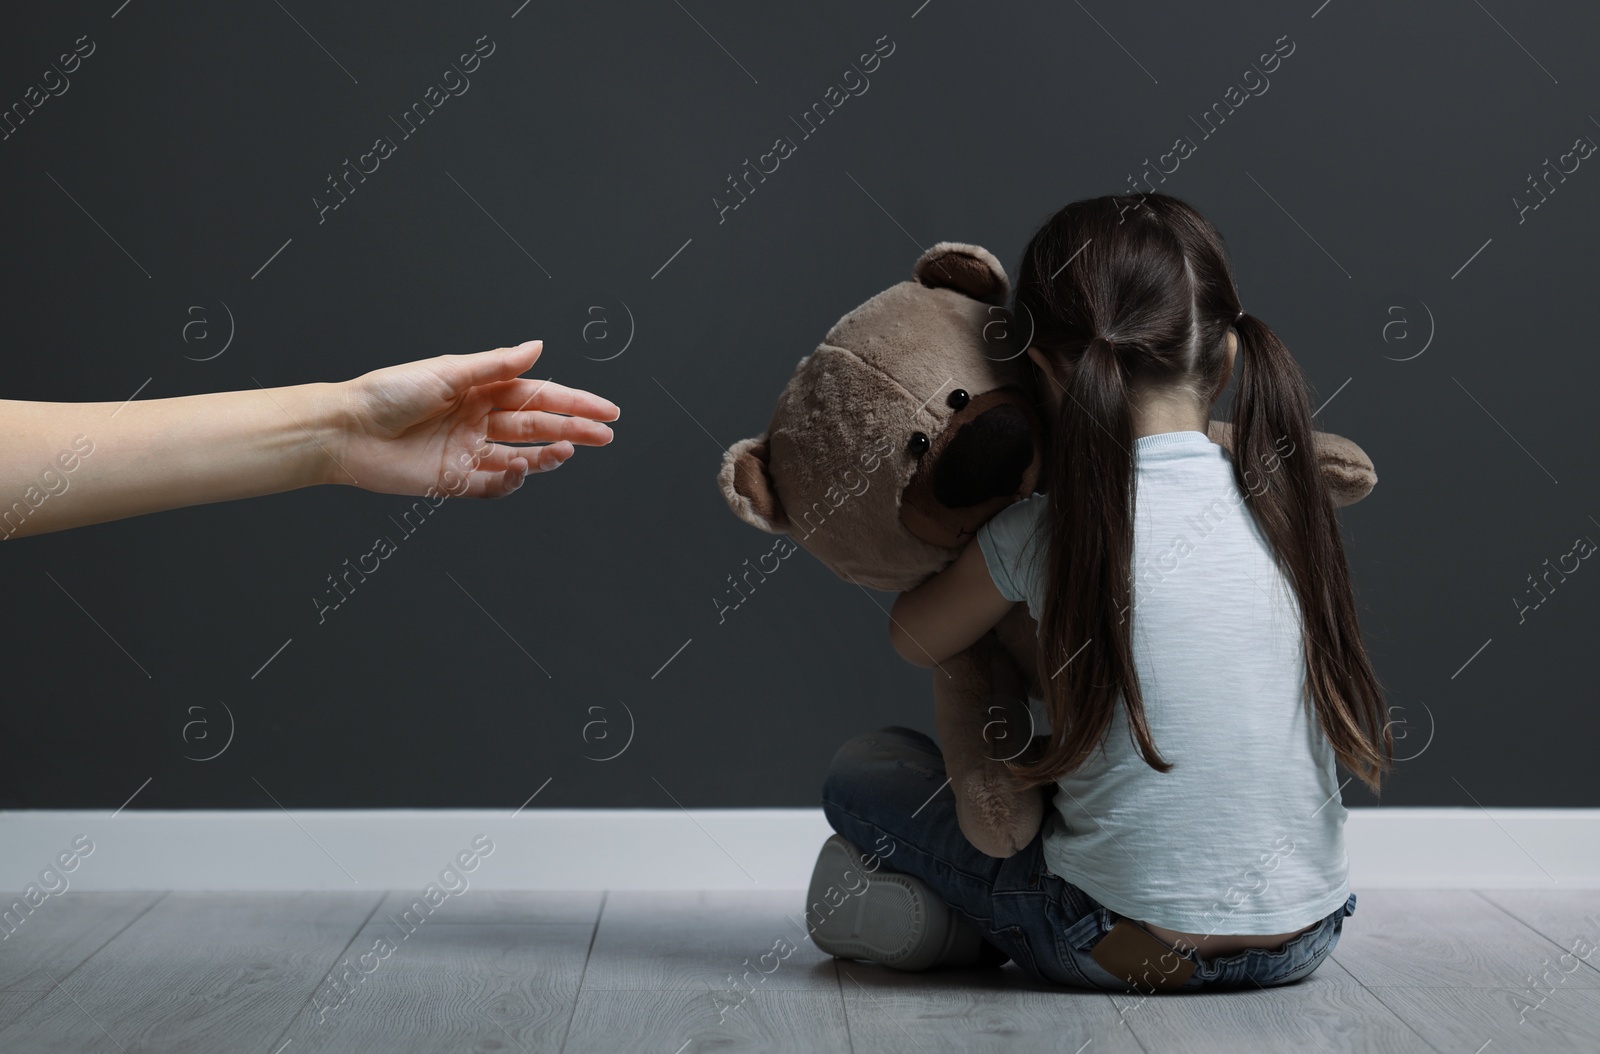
874, 465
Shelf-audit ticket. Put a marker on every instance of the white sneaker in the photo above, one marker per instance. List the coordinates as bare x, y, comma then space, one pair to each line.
883, 916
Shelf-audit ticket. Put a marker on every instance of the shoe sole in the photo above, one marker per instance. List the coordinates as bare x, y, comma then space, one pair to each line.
897, 920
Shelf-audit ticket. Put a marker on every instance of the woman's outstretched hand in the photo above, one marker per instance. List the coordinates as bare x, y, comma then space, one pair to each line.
437, 423
435, 426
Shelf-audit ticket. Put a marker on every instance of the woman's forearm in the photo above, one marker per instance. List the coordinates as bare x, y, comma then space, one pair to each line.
70, 464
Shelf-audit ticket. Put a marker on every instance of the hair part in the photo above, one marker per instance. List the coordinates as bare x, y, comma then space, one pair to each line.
1134, 293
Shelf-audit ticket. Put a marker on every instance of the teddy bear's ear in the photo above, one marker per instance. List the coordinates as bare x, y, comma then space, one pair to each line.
967, 269
747, 487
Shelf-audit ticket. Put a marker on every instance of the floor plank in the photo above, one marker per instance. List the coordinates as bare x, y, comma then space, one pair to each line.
664, 1021
14, 1004
1571, 918
61, 933
696, 941
1322, 1012
1506, 1021
668, 972
197, 972
1330, 972
875, 978
499, 905
1441, 939
980, 1011
447, 987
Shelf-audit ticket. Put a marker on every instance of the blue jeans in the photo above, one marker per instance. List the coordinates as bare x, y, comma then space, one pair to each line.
884, 789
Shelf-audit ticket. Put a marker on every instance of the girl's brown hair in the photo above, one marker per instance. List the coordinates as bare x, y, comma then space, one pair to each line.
1133, 292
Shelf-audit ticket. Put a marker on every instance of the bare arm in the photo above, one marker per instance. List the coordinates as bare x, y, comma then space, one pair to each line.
947, 613
435, 423
69, 464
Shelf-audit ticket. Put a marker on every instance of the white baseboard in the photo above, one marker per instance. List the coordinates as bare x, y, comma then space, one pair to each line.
712, 849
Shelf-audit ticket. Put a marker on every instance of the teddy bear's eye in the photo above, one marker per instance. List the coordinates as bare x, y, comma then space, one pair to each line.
958, 399
919, 445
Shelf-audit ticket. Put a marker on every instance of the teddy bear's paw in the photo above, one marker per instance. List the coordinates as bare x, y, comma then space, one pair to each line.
997, 815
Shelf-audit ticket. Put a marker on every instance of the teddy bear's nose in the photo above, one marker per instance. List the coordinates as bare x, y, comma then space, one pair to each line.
986, 459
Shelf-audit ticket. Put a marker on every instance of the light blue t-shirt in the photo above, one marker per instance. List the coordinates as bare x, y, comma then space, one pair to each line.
1246, 833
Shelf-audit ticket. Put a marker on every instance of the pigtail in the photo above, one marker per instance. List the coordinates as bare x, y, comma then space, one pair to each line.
1275, 466
1085, 646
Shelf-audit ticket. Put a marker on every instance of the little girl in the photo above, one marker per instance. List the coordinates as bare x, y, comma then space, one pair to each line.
1198, 647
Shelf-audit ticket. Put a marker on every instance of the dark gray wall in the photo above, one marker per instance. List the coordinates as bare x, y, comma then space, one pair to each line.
1393, 145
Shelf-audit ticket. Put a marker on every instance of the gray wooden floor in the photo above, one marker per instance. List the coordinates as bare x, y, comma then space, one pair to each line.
1452, 971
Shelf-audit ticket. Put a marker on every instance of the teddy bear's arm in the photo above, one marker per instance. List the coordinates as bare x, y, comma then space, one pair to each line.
1345, 467
982, 720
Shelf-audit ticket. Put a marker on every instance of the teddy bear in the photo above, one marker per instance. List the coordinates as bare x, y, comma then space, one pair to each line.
910, 425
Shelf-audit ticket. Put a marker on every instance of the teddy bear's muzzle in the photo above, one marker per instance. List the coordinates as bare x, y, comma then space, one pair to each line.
986, 457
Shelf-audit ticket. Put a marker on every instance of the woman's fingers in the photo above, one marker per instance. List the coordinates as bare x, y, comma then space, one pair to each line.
497, 375
497, 484
493, 480
545, 458
536, 426
498, 458
528, 394
494, 484
486, 367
